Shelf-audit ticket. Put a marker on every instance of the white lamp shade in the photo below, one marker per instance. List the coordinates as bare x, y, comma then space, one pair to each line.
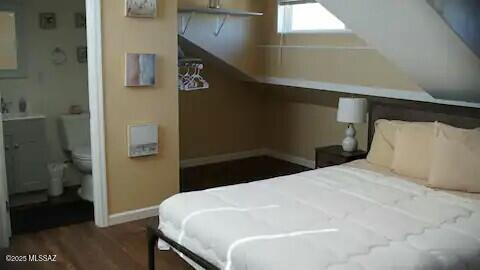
352, 110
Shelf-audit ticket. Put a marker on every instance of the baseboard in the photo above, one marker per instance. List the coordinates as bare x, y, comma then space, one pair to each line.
143, 213
290, 158
221, 158
247, 154
133, 215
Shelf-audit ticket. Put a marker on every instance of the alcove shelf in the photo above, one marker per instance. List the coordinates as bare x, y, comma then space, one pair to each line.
222, 15
187, 60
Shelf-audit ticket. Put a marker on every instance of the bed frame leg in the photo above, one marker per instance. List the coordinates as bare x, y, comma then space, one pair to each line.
152, 243
154, 234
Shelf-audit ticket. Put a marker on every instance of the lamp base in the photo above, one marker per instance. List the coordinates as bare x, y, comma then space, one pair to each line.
350, 143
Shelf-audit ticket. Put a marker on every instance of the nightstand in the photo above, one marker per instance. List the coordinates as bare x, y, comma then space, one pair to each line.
334, 155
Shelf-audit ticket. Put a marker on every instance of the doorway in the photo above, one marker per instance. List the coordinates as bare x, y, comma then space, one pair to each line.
94, 96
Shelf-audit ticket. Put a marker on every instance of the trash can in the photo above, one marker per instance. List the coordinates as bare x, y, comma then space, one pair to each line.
56, 179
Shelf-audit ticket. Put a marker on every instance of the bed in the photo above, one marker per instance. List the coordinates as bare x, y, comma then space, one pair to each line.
353, 216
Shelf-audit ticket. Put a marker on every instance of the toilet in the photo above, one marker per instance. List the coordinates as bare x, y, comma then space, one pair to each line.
75, 140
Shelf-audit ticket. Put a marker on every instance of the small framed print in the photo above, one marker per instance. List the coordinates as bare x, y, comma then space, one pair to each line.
80, 20
48, 20
139, 69
141, 8
82, 55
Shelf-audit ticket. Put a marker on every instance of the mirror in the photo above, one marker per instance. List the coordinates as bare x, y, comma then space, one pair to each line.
12, 41
8, 41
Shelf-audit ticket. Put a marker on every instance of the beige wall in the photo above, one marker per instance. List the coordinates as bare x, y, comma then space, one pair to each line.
141, 182
299, 120
335, 59
331, 65
226, 118
50, 89
237, 43
233, 117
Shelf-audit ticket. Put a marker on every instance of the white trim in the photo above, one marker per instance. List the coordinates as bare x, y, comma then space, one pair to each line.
5, 227
221, 158
247, 154
152, 211
319, 32
97, 125
364, 90
290, 158
317, 47
133, 215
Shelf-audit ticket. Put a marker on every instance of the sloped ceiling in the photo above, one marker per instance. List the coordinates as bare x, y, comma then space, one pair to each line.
413, 36
463, 17
187, 47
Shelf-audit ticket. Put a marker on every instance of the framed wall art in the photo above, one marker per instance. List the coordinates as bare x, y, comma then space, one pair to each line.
139, 69
141, 8
48, 20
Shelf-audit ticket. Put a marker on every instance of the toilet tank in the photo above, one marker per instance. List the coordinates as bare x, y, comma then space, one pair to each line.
74, 130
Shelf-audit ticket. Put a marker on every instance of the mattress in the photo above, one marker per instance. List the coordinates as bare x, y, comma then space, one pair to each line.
336, 218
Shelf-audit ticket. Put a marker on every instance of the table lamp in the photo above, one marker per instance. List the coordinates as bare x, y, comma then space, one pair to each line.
351, 111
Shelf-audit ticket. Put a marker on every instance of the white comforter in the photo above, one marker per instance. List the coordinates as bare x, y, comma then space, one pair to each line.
336, 218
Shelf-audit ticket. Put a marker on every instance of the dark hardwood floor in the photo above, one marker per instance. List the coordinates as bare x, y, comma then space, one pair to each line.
235, 172
63, 210
84, 246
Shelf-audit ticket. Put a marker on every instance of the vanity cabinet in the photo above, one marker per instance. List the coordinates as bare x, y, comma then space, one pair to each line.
25, 155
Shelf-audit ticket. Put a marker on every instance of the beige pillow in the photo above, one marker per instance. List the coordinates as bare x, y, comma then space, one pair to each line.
383, 143
456, 159
453, 132
413, 150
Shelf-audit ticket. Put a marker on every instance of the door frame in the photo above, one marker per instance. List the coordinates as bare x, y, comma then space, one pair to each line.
5, 228
93, 13
97, 128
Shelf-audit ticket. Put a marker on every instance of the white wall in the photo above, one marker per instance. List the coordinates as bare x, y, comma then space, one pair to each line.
415, 38
50, 89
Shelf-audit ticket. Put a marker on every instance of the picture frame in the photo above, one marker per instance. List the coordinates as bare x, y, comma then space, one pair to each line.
80, 20
140, 69
47, 20
82, 54
141, 8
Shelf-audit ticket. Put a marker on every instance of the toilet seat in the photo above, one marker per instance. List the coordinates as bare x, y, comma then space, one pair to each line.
82, 158
82, 153
75, 139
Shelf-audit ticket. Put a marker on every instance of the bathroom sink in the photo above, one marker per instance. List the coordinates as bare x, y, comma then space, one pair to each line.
21, 116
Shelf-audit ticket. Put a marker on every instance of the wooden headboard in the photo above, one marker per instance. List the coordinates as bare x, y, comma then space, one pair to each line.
413, 111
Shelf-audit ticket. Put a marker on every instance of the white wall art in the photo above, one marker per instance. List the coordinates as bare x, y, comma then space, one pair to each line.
139, 69
141, 8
